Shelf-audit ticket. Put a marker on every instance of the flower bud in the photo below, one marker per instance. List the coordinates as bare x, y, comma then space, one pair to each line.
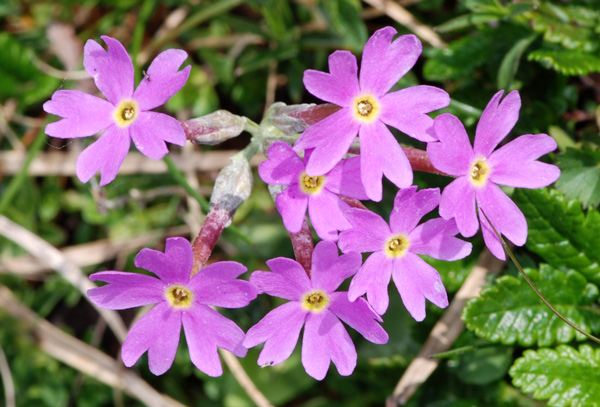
232, 187
295, 119
213, 128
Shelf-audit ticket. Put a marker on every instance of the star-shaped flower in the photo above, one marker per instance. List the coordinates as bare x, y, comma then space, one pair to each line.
125, 115
316, 305
367, 108
180, 300
480, 168
395, 252
318, 194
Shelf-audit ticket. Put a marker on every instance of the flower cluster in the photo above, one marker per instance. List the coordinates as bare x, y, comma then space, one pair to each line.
322, 182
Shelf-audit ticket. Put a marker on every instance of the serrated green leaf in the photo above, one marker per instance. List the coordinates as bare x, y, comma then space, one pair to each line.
565, 377
580, 175
510, 312
573, 63
560, 232
510, 62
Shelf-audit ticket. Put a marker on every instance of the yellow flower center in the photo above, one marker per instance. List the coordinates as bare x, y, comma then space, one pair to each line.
311, 185
178, 296
479, 173
396, 246
315, 301
126, 113
366, 108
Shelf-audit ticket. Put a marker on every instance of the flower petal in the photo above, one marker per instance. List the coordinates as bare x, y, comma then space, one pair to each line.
360, 316
151, 130
453, 154
417, 281
156, 332
112, 70
406, 110
105, 154
385, 61
325, 338
506, 217
497, 120
328, 269
279, 329
205, 329
458, 201
217, 285
410, 206
283, 166
373, 279
368, 234
126, 290
381, 154
514, 163
344, 179
83, 115
163, 79
326, 212
339, 86
173, 266
291, 204
287, 280
436, 238
331, 138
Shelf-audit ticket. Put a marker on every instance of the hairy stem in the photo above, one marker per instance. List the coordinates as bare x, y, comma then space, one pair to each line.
303, 246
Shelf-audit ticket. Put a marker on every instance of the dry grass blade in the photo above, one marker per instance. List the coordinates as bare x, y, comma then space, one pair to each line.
244, 380
445, 331
47, 253
7, 381
82, 356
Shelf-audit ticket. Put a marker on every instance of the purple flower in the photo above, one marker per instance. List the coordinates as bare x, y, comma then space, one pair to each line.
125, 115
367, 109
480, 168
318, 194
315, 305
180, 300
395, 252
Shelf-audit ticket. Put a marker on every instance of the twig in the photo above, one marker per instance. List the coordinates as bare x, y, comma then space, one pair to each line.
244, 380
7, 381
55, 259
398, 13
81, 356
445, 331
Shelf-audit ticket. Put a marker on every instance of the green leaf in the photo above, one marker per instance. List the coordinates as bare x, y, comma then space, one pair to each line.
573, 63
510, 312
483, 365
565, 377
510, 63
344, 17
580, 175
560, 232
465, 21
561, 137
458, 60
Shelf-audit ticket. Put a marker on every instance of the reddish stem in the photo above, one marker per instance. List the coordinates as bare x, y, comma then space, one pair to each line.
303, 246
419, 161
354, 203
216, 220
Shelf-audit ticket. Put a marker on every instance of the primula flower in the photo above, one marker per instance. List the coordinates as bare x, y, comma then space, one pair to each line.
367, 108
395, 252
480, 168
316, 305
318, 194
125, 115
180, 300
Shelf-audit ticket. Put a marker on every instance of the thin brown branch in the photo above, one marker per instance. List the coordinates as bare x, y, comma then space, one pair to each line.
81, 356
398, 13
244, 380
445, 331
44, 251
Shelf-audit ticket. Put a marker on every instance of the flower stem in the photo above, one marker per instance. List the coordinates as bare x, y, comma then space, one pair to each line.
180, 178
215, 222
303, 246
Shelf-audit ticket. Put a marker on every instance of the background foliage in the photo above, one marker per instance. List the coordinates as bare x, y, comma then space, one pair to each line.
246, 54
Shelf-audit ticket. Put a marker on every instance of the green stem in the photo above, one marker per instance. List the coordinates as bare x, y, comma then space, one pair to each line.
15, 184
180, 178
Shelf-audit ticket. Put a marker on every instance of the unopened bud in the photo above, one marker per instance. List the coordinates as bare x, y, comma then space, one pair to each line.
213, 128
232, 187
295, 119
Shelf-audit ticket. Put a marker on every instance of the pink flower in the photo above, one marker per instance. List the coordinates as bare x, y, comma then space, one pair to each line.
318, 194
367, 108
125, 115
180, 300
480, 168
395, 252
316, 305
